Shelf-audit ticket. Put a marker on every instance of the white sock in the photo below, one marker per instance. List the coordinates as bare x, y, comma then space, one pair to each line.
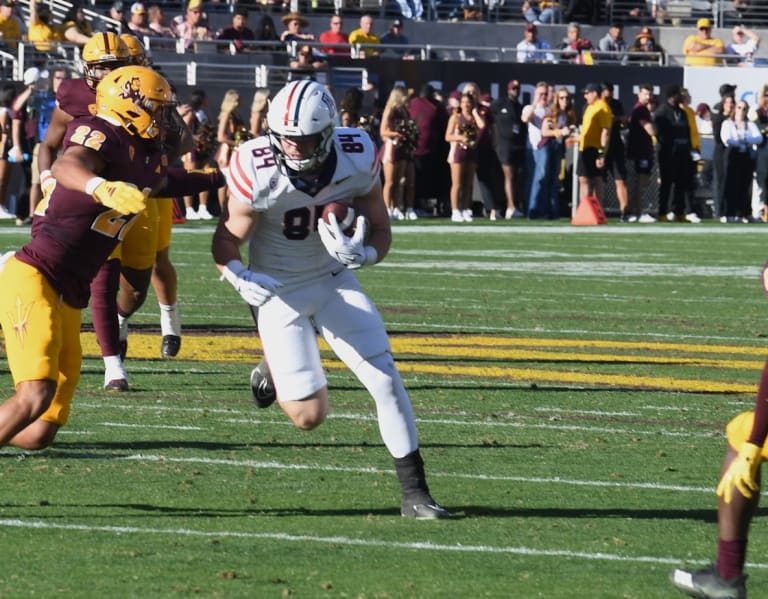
170, 319
114, 369
122, 322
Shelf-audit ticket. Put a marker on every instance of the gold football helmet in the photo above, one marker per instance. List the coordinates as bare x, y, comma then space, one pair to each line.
105, 51
135, 98
138, 54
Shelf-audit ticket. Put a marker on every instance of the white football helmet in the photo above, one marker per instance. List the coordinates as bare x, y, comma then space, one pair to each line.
302, 109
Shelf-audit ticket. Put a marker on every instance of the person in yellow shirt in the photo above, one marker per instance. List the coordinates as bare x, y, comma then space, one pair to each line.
10, 28
364, 35
593, 143
42, 31
701, 49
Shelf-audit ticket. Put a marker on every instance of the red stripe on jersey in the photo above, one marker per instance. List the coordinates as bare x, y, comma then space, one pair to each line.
240, 179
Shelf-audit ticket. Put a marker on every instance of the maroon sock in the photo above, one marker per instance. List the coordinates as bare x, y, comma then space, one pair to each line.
104, 307
730, 558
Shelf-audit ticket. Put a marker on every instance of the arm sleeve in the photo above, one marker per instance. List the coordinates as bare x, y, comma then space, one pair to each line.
184, 183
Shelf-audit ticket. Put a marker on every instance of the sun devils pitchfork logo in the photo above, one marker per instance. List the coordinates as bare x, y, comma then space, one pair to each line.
132, 91
20, 320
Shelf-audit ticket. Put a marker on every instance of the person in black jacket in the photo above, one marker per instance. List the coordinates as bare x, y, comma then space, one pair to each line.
720, 111
511, 135
674, 139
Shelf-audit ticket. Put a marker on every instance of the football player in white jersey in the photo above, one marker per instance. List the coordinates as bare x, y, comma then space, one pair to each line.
301, 269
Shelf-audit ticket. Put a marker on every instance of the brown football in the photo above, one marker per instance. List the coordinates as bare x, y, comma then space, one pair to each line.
345, 216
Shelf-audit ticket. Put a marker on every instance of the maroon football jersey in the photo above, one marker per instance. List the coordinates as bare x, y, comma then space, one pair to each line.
74, 97
78, 234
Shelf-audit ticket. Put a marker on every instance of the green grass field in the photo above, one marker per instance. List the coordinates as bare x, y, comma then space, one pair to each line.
571, 387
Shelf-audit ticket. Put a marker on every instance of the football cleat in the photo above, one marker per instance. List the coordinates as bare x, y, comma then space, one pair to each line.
171, 346
262, 388
116, 385
423, 508
707, 584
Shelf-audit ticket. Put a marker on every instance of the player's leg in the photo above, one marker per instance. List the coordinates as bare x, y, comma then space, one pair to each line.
165, 282
105, 322
352, 326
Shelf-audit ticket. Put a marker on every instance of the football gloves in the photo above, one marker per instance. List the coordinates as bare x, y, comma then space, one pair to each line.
742, 473
126, 198
47, 183
350, 251
254, 287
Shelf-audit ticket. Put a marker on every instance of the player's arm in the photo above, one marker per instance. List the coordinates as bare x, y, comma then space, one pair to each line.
54, 137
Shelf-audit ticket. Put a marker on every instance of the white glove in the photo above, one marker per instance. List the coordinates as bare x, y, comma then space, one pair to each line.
255, 288
350, 251
4, 258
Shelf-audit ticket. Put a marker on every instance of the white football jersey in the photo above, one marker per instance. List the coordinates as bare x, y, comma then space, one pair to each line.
285, 244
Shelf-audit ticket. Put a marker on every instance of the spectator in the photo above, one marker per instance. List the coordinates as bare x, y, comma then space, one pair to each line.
364, 35
720, 112
397, 151
704, 118
232, 131
24, 114
645, 49
693, 163
41, 31
266, 32
674, 138
7, 94
511, 137
308, 65
156, 19
543, 11
701, 49
760, 117
615, 161
411, 9
743, 46
640, 150
335, 35
566, 136
593, 143
612, 46
117, 13
192, 27
532, 48
294, 23
431, 171
461, 133
395, 37
453, 102
543, 168
195, 116
259, 108
10, 28
350, 107
739, 134
138, 24
575, 48
237, 33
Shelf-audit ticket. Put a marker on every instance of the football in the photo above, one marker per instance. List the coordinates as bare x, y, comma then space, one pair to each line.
345, 216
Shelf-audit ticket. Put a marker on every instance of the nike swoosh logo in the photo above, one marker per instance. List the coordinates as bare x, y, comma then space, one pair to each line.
342, 180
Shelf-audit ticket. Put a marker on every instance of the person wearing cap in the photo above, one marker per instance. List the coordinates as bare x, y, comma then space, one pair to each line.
574, 48
237, 33
615, 162
116, 12
335, 35
595, 136
10, 28
645, 43
532, 48
364, 35
640, 151
395, 37
701, 49
612, 45
511, 137
192, 26
138, 21
743, 46
294, 23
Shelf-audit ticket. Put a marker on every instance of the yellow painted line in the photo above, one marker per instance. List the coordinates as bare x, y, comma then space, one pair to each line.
235, 348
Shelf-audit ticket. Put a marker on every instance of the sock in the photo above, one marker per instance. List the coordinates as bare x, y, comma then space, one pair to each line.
114, 369
410, 473
170, 321
730, 558
122, 323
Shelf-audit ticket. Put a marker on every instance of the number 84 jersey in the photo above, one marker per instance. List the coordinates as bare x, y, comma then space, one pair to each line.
285, 243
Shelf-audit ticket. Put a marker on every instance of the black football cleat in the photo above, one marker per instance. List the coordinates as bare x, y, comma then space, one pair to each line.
171, 346
423, 508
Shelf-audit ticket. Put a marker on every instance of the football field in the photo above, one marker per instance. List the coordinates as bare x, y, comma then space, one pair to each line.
571, 387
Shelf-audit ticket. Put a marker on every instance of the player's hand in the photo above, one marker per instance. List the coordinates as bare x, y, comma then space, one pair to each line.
126, 198
742, 473
254, 287
47, 183
350, 251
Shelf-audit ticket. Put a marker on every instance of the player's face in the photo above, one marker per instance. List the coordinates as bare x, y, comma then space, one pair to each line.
299, 148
